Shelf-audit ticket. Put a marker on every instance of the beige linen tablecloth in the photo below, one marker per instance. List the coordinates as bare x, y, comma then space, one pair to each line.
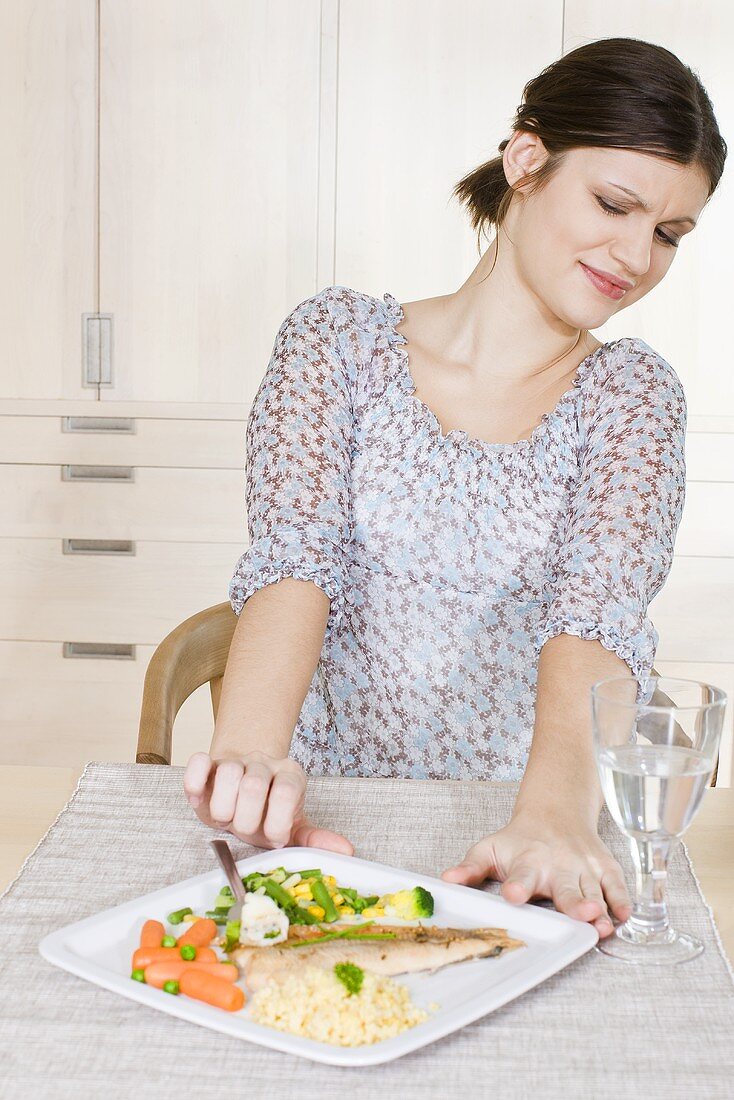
599, 1028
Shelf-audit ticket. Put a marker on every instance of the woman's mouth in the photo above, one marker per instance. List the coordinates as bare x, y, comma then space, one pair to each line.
610, 290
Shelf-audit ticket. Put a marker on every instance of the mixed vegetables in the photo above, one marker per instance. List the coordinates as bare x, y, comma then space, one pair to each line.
312, 897
274, 900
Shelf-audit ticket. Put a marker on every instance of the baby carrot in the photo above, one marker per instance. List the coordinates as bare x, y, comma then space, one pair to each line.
212, 989
157, 973
199, 934
143, 956
152, 933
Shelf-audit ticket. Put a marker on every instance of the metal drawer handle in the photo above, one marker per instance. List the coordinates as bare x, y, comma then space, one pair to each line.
119, 547
108, 651
116, 424
97, 473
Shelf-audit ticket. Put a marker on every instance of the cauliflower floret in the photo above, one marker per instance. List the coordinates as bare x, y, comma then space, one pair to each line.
263, 922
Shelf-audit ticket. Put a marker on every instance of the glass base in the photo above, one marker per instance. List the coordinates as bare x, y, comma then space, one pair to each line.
630, 945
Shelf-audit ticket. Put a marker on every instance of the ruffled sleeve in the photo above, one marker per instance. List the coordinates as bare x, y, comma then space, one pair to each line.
621, 528
297, 467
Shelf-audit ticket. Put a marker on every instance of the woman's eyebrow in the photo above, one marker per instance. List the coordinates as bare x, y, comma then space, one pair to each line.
646, 206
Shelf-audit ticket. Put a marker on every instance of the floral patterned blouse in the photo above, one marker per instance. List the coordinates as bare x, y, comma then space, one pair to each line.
449, 561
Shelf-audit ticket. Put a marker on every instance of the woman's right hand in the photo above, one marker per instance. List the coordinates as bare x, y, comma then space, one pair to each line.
258, 799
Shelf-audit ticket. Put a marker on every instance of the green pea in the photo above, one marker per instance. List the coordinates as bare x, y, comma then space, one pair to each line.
188, 952
138, 975
168, 941
170, 987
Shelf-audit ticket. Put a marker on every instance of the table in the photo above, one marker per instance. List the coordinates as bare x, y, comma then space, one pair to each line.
595, 1028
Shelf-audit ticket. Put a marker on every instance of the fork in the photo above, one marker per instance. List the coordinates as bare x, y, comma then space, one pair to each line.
226, 859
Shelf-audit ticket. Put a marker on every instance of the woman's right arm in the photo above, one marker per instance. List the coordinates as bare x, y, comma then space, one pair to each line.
275, 649
246, 783
288, 585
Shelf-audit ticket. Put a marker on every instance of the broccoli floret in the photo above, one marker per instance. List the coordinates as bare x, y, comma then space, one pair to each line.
408, 904
351, 976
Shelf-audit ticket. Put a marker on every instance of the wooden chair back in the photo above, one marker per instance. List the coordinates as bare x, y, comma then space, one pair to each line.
194, 653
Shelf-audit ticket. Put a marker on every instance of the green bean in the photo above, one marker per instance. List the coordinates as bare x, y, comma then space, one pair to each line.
323, 898
217, 915
278, 894
299, 915
178, 915
233, 934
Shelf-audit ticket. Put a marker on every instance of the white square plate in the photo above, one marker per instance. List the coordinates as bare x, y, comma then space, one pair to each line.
99, 949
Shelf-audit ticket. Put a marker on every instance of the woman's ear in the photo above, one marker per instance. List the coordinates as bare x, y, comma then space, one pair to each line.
523, 154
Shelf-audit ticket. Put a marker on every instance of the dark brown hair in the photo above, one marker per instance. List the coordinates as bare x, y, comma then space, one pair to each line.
614, 92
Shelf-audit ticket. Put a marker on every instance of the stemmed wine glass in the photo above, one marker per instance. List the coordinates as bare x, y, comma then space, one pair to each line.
654, 760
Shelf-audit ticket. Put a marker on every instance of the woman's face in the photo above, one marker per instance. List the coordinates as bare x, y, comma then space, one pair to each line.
581, 220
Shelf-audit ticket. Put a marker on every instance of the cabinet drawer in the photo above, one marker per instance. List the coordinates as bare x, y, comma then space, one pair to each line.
61, 713
107, 439
157, 504
46, 595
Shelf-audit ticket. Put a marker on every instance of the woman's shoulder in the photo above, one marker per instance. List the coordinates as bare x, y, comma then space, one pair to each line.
630, 372
345, 306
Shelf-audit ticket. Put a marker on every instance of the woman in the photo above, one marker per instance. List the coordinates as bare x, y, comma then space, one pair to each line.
469, 501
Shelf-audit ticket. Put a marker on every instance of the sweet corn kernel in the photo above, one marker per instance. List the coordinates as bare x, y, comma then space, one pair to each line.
338, 899
190, 918
373, 911
346, 910
303, 890
291, 890
330, 880
317, 911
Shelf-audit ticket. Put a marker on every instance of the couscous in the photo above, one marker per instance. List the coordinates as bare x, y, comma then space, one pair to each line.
315, 1004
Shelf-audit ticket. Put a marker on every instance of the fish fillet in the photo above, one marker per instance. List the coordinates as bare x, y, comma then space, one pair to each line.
414, 948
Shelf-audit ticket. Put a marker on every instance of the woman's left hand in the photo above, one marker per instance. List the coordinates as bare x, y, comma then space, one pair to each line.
540, 856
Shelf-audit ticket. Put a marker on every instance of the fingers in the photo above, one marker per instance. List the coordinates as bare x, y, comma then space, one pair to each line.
576, 872
260, 800
568, 897
523, 881
616, 892
467, 873
225, 788
252, 797
307, 835
284, 805
480, 862
196, 776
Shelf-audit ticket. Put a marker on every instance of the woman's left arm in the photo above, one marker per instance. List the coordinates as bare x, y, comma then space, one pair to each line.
615, 555
551, 848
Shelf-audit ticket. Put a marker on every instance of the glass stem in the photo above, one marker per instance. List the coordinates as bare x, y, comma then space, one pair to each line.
649, 915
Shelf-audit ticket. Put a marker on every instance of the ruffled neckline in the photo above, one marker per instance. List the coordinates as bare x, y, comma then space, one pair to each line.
457, 436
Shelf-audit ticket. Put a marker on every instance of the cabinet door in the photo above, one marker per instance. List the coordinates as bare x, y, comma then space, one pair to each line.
48, 196
209, 125
426, 93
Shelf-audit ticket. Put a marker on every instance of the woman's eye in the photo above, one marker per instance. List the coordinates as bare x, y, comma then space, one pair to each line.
613, 211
